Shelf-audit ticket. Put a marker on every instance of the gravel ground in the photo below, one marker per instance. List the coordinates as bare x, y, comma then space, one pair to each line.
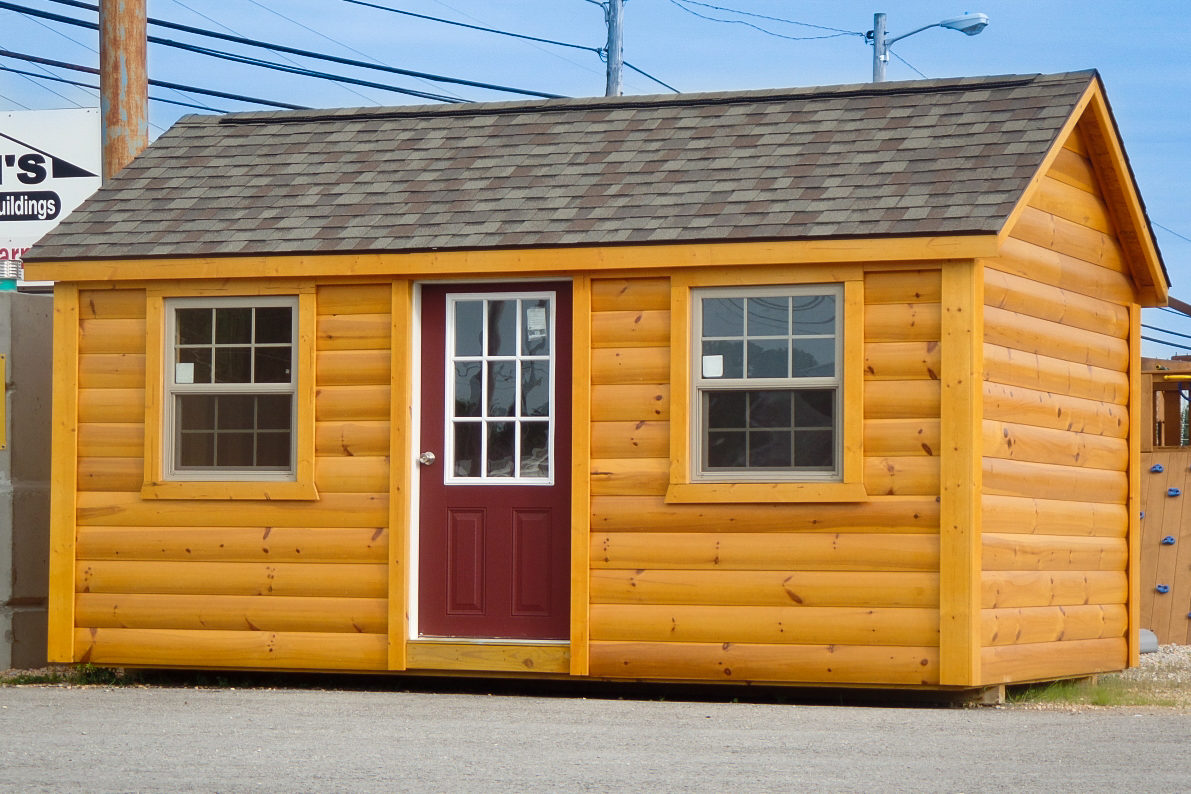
1163, 676
1166, 674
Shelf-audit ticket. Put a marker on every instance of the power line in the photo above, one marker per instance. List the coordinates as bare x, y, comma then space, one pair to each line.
1175, 345
37, 76
841, 31
214, 21
244, 59
651, 77
13, 101
274, 47
342, 44
597, 50
324, 35
1171, 231
159, 83
907, 63
1165, 331
87, 46
303, 71
766, 31
26, 76
46, 73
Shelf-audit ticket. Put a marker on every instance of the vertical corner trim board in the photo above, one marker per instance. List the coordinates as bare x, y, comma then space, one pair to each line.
1133, 502
64, 450
960, 487
400, 477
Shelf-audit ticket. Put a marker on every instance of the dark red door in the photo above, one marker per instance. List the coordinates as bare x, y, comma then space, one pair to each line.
495, 500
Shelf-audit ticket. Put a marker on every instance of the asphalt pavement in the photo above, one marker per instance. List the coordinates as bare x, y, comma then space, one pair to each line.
133, 739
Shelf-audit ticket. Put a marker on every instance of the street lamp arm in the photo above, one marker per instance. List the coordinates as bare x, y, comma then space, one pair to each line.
968, 24
891, 41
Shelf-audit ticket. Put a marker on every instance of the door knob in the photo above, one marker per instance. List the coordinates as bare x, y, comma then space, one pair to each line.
426, 458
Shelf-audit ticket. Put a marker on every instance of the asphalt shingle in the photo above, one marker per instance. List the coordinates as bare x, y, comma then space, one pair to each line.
888, 159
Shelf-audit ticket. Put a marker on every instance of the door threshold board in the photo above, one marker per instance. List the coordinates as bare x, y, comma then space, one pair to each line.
489, 641
496, 656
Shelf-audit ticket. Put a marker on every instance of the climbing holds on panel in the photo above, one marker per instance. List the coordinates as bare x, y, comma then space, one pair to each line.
1168, 540
1143, 514
1156, 468
1173, 492
1162, 588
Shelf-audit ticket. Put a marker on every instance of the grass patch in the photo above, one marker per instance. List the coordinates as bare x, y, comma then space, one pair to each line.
80, 675
1107, 690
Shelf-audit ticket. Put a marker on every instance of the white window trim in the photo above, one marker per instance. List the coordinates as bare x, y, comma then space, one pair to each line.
698, 383
449, 389
170, 471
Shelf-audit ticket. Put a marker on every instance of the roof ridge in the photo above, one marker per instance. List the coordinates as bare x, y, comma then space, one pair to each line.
906, 87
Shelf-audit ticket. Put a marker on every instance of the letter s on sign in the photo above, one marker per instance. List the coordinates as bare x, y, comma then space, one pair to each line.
32, 169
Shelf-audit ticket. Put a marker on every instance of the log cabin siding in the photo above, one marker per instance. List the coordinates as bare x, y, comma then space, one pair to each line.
273, 584
812, 592
1055, 435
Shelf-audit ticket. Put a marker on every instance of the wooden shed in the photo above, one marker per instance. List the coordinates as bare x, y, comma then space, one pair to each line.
823, 386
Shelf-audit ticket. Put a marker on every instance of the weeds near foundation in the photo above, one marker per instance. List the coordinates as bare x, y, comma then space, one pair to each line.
1101, 691
81, 675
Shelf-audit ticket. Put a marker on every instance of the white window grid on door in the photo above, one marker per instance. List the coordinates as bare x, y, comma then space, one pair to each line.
485, 359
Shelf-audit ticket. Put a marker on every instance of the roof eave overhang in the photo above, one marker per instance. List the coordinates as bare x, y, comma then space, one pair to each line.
507, 261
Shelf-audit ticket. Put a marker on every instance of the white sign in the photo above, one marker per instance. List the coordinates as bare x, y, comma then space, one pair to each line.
535, 322
50, 162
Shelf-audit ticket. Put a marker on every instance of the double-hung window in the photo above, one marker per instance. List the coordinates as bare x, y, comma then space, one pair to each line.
230, 397
766, 384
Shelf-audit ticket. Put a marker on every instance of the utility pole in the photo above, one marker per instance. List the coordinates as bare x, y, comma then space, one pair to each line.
880, 48
123, 82
613, 14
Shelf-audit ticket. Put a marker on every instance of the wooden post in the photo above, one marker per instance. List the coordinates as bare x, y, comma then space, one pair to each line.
123, 82
961, 414
1172, 418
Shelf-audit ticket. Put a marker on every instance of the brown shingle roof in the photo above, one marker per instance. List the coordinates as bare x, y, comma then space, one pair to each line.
920, 158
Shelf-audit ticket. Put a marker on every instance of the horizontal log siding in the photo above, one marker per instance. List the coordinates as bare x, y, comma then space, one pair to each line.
289, 584
816, 593
1055, 443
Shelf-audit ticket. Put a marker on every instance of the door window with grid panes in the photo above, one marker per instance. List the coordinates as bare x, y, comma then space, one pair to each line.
766, 383
230, 387
500, 374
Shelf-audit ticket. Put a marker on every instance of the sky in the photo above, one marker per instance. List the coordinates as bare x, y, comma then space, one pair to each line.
1139, 47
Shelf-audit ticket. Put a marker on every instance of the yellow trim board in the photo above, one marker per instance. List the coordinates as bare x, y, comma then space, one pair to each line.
1133, 570
960, 475
487, 657
63, 474
531, 260
401, 476
580, 475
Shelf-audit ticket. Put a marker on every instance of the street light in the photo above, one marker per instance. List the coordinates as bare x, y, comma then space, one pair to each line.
968, 24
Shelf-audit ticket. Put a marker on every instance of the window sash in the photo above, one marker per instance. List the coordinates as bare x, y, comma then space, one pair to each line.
175, 391
704, 384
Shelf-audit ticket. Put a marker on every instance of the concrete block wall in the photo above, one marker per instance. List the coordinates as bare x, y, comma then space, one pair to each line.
26, 325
